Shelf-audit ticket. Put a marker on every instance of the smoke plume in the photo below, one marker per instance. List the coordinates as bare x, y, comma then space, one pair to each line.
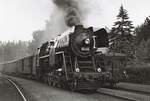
71, 10
67, 13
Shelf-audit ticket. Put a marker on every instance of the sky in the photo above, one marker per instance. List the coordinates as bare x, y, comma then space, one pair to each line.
19, 18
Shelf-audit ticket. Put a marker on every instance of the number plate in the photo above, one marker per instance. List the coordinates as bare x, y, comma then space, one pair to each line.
85, 49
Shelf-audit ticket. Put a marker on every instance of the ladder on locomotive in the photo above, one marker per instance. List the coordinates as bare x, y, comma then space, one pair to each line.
86, 64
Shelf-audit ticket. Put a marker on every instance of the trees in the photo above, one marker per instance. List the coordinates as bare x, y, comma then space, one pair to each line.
38, 39
121, 35
12, 50
143, 31
143, 41
143, 51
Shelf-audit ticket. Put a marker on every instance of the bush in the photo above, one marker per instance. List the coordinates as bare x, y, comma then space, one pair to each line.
138, 74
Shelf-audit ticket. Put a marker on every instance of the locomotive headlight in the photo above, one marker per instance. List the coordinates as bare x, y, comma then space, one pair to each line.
87, 41
99, 69
77, 70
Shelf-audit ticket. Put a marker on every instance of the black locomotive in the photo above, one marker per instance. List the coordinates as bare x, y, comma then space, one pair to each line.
69, 60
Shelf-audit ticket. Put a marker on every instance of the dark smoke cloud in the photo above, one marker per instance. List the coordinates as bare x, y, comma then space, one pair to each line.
70, 7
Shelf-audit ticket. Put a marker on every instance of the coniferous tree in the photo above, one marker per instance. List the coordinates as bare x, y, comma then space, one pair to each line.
143, 31
143, 41
121, 37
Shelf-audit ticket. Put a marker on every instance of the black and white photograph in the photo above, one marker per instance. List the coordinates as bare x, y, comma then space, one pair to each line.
74, 50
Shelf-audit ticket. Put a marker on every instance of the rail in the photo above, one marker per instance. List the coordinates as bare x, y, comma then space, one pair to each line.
13, 83
131, 96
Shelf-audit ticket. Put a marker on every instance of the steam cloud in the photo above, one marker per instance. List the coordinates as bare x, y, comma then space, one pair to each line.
67, 13
71, 10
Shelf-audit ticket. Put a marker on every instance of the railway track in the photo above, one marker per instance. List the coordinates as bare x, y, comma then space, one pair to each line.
130, 95
133, 91
122, 94
13, 85
135, 88
57, 94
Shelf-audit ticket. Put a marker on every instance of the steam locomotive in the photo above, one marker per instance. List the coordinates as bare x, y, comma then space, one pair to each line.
70, 59
74, 60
